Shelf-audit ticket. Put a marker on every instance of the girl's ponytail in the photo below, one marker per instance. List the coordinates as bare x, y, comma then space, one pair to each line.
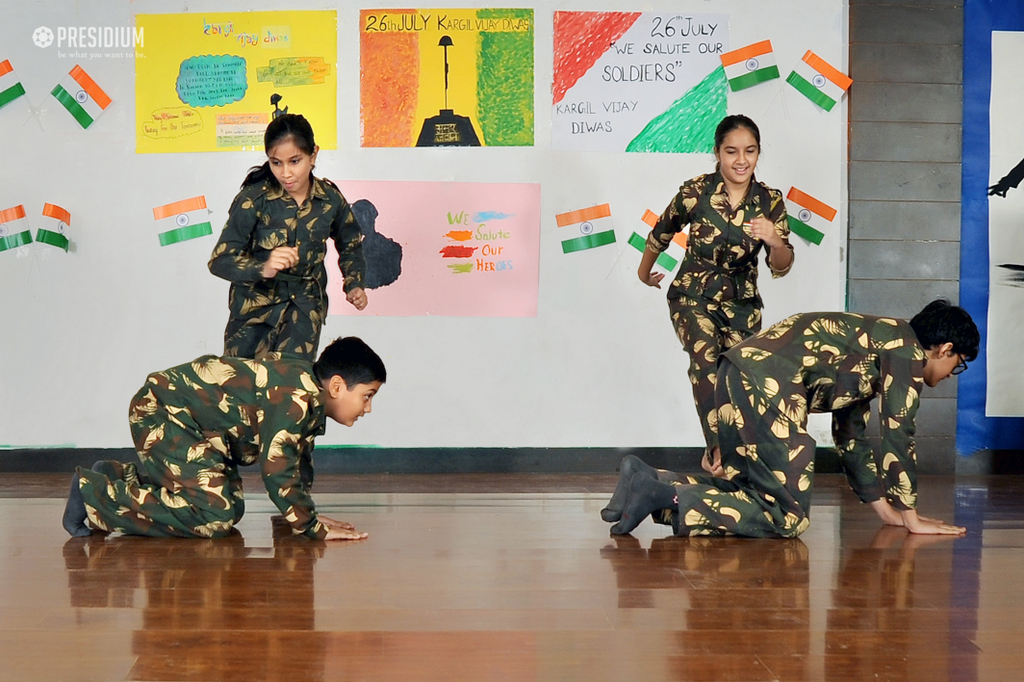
258, 174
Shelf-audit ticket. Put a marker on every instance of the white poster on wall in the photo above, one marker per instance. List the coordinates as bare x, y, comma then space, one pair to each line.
638, 81
1005, 396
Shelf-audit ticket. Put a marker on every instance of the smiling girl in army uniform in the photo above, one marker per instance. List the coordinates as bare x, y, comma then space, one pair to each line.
713, 301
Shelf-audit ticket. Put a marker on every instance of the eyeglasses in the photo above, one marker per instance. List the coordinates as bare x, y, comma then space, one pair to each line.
960, 368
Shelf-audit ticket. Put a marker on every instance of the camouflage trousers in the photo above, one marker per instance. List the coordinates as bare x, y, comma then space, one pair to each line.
187, 486
768, 459
707, 329
283, 327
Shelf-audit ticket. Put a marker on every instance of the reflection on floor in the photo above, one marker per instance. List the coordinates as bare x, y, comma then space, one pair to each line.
514, 577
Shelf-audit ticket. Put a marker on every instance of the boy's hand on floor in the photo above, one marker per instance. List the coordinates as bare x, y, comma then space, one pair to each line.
917, 525
334, 523
340, 530
342, 534
936, 529
889, 516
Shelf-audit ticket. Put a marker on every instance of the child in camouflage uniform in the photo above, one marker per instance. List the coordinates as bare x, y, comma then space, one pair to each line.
195, 424
767, 385
273, 246
714, 301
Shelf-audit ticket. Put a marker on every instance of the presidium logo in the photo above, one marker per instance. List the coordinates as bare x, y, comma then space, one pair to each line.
90, 37
42, 37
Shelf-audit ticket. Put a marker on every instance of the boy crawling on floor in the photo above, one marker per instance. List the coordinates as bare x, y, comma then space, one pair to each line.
195, 424
765, 388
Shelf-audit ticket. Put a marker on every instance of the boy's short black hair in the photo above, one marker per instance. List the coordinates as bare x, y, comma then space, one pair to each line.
942, 322
352, 360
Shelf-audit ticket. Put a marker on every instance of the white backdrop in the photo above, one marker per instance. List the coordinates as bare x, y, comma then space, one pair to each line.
598, 367
1005, 394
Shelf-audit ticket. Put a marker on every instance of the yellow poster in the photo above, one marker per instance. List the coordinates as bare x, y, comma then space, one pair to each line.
212, 82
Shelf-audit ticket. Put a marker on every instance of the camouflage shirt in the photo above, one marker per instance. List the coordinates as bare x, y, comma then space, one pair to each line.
721, 257
263, 217
267, 411
838, 362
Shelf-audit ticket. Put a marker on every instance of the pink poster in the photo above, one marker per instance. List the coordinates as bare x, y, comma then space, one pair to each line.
459, 249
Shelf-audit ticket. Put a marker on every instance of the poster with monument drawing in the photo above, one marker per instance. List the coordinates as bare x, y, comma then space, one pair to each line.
446, 77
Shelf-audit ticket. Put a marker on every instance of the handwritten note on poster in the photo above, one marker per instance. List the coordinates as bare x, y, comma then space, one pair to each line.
444, 248
632, 81
212, 82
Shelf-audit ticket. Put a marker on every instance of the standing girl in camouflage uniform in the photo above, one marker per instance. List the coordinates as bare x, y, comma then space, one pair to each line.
713, 301
273, 246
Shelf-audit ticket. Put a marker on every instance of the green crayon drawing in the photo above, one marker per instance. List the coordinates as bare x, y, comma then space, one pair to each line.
461, 268
688, 126
505, 80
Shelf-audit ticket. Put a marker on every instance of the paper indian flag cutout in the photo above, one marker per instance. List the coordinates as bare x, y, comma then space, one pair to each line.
670, 257
819, 81
56, 222
183, 220
14, 230
810, 216
750, 65
593, 228
10, 85
80, 95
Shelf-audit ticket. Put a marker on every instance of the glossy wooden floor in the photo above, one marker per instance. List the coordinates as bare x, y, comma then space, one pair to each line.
513, 577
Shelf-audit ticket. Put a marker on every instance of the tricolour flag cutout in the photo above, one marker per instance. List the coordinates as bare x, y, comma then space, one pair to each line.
10, 85
80, 95
819, 81
54, 231
594, 224
810, 217
188, 219
670, 257
14, 230
750, 65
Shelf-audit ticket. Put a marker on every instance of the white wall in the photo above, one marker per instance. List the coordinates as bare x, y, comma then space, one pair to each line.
599, 366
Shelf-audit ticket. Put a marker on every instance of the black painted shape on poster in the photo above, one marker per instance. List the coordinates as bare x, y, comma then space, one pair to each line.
383, 255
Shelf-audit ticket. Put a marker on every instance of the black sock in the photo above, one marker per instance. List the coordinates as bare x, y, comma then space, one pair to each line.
74, 511
646, 495
631, 465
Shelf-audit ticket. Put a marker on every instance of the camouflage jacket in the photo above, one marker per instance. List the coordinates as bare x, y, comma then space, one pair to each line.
268, 411
838, 362
263, 217
721, 257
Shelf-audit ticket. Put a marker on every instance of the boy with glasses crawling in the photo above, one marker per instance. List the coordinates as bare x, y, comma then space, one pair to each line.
765, 388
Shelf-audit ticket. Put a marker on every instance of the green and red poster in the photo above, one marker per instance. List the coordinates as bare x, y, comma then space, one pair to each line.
638, 81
